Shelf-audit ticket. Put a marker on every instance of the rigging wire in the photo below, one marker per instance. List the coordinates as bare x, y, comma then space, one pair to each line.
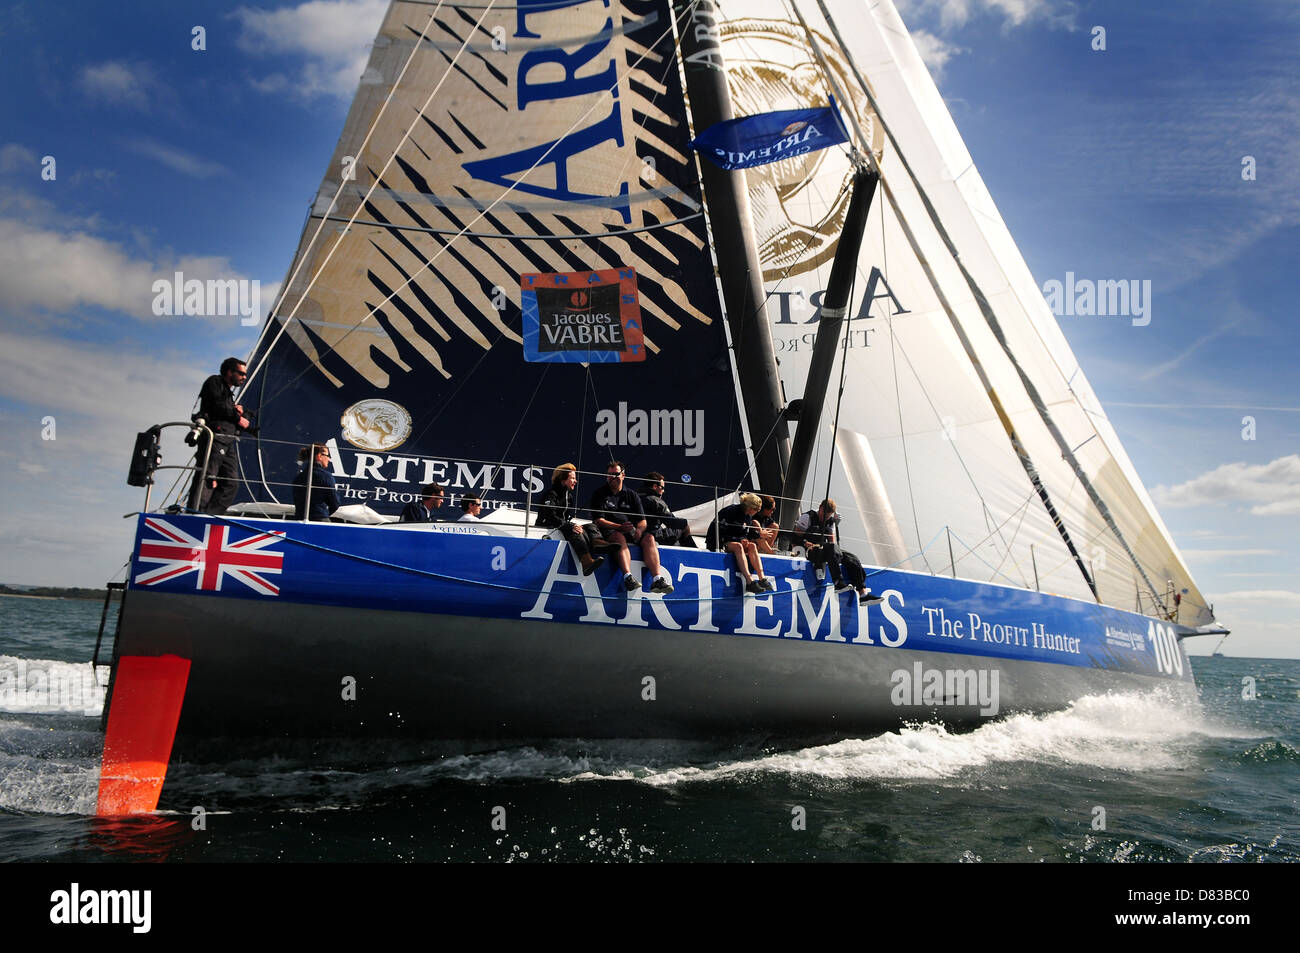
284, 325
541, 379
339, 191
771, 432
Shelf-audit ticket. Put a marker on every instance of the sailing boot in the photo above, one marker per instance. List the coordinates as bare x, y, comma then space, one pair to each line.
591, 563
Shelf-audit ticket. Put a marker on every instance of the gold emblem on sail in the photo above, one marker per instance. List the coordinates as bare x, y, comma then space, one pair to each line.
376, 424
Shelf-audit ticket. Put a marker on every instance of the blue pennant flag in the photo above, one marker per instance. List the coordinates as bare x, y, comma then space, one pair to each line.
768, 137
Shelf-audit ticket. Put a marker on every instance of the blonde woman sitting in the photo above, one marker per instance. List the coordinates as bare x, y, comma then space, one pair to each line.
737, 533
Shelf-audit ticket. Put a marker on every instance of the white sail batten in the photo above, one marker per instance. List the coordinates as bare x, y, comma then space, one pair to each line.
911, 391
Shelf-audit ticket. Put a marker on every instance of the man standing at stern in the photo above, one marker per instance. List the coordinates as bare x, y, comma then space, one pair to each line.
226, 420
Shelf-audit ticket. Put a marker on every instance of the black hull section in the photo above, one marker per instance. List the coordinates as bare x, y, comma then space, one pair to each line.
281, 670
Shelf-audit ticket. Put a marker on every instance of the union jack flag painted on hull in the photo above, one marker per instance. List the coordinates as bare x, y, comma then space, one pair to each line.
213, 559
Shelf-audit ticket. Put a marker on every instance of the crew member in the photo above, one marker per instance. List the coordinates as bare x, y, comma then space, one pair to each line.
737, 532
815, 531
470, 508
324, 500
768, 528
423, 510
668, 530
619, 517
226, 420
559, 511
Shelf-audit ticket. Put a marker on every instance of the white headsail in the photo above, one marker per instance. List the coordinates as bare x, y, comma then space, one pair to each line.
911, 387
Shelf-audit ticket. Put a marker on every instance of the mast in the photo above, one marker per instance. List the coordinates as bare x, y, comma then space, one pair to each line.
834, 307
740, 270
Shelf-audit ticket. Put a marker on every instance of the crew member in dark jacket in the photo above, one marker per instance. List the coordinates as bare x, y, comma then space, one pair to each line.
667, 529
558, 511
618, 515
324, 500
816, 531
424, 510
226, 420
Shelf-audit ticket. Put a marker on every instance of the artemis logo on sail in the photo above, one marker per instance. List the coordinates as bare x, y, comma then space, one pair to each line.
1083, 296
546, 73
216, 296
946, 687
651, 428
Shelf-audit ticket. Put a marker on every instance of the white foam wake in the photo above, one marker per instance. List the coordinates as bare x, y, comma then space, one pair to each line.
44, 686
1128, 732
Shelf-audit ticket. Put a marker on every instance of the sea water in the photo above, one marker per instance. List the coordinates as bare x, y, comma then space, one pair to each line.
1114, 778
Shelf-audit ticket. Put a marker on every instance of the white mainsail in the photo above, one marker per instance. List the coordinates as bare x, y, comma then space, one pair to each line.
911, 390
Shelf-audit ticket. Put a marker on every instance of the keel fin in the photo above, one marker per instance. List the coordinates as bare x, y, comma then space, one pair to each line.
147, 695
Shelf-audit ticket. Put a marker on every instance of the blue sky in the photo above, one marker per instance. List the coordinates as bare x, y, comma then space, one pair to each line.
1119, 163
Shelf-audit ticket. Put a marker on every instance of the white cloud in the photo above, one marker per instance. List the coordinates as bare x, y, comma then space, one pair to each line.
1208, 554
1176, 361
332, 36
119, 83
58, 271
119, 391
1274, 596
16, 158
953, 14
45, 268
176, 159
1272, 488
934, 52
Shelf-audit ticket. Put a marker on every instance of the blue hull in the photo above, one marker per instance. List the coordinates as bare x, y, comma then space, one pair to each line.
325, 630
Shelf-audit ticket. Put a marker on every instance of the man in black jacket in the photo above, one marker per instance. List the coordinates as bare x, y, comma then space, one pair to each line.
226, 420
617, 514
668, 530
423, 509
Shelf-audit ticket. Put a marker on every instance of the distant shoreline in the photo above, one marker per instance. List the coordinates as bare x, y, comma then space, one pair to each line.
52, 592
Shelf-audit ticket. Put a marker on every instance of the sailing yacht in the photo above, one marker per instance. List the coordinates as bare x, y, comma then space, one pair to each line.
516, 259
